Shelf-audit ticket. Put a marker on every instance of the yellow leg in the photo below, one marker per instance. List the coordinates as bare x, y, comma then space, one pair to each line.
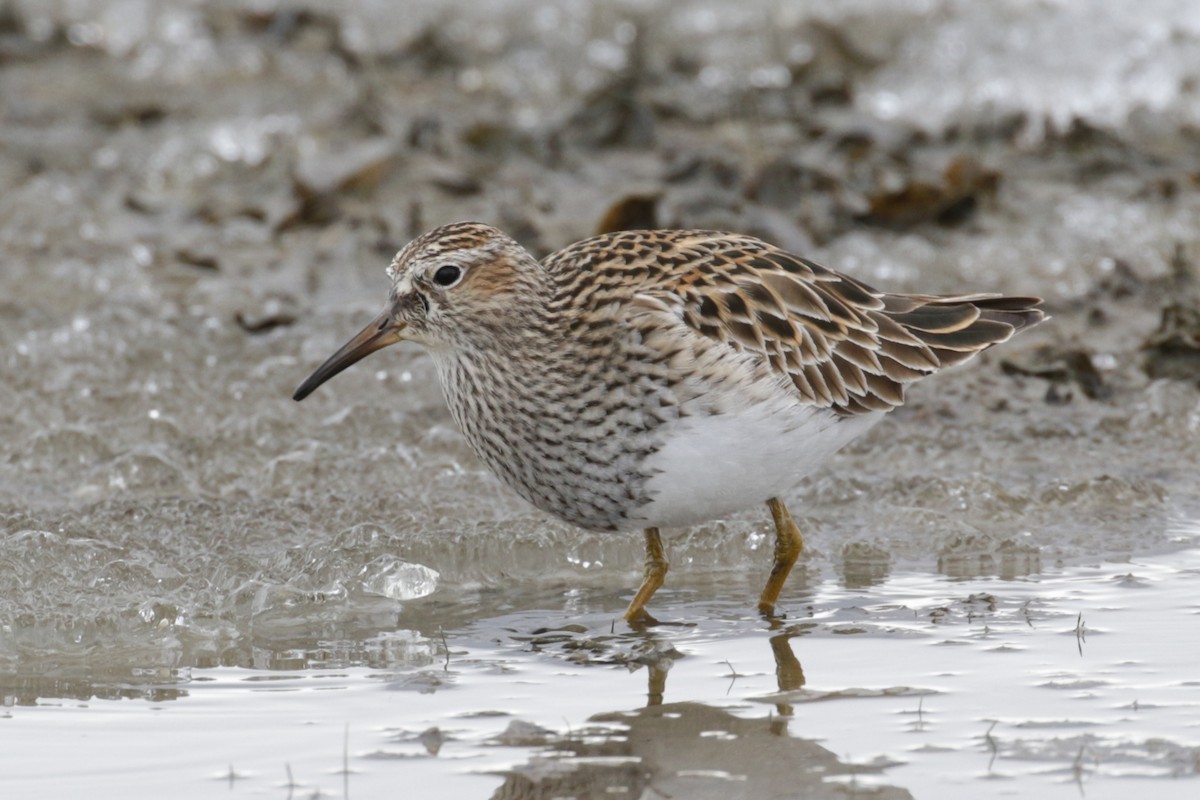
656, 570
788, 544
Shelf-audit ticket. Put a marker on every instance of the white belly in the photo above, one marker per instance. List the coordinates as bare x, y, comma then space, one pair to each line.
711, 466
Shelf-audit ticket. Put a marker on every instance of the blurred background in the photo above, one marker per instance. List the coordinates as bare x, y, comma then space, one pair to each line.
199, 199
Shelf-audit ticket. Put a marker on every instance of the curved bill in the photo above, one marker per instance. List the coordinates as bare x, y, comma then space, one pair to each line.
382, 332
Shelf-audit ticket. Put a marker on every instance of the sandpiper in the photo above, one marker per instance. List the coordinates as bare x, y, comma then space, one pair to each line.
648, 379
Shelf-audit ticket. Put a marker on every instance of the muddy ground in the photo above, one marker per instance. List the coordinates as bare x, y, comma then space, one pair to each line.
199, 200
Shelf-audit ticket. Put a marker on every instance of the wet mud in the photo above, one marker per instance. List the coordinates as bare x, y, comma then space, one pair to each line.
199, 200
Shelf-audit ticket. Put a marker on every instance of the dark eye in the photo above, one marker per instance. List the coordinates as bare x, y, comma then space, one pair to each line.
447, 275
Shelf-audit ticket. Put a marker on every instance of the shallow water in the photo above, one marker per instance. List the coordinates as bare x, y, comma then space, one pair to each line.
1077, 680
204, 585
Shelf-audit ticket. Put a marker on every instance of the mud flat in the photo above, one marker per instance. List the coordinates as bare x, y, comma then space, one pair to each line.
199, 200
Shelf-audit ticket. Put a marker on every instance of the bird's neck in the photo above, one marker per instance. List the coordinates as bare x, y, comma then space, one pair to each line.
508, 366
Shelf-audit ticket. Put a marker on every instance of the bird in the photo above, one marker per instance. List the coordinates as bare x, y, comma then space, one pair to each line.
649, 379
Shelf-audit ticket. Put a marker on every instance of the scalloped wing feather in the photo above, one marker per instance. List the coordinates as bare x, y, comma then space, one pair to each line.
842, 344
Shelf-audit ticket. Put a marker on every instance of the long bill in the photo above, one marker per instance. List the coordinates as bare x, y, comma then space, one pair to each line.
382, 331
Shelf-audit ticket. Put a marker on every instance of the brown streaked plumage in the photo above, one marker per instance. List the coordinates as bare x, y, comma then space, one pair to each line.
653, 378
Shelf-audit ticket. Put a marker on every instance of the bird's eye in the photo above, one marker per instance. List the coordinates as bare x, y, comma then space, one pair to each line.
447, 275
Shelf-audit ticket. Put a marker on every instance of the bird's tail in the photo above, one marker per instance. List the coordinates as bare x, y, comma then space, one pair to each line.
957, 327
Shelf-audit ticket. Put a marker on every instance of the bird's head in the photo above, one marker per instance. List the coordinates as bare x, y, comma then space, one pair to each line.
459, 285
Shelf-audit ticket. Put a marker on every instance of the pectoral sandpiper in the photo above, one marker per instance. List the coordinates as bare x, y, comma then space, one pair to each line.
647, 379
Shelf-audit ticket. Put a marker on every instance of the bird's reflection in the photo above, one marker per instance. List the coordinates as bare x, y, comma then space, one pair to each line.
689, 749
789, 674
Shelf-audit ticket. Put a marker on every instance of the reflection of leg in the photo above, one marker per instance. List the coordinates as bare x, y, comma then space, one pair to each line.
788, 673
655, 571
788, 543
656, 685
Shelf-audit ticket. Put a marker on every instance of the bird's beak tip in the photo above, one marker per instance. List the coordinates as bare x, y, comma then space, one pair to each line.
381, 332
